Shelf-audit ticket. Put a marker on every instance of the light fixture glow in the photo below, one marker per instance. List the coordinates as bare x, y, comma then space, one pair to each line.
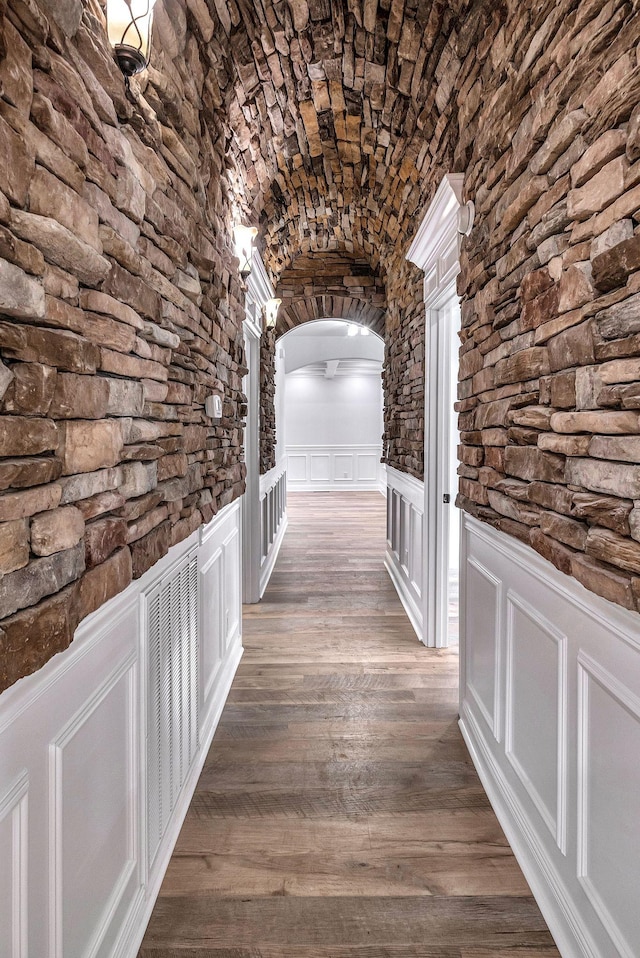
365, 331
353, 330
129, 29
244, 237
271, 308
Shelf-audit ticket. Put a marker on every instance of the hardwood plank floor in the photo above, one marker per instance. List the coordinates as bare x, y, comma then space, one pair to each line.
338, 814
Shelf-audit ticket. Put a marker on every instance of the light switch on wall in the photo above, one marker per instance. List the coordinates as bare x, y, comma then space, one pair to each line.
213, 406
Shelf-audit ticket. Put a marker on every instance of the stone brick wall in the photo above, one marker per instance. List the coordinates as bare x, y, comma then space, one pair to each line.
550, 360
403, 371
120, 310
267, 436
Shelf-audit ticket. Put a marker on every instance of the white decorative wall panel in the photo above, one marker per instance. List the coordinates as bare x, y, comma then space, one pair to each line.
564, 778
536, 654
609, 802
404, 557
75, 875
14, 913
324, 468
94, 848
482, 656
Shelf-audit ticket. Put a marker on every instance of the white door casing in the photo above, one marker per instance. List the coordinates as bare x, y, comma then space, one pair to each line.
435, 250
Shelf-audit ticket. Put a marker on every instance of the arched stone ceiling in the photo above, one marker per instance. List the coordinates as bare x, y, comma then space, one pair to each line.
341, 110
329, 285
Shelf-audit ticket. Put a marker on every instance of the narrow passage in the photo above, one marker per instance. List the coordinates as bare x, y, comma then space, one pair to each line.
338, 814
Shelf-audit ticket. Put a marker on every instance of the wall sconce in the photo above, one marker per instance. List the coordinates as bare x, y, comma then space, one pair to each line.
271, 308
466, 216
244, 237
129, 29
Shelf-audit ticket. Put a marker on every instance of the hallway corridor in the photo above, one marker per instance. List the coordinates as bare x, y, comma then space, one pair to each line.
338, 814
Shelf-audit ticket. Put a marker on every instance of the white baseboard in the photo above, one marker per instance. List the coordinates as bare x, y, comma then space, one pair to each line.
410, 605
270, 561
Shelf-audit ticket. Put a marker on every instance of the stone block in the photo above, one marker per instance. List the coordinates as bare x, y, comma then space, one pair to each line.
614, 423
598, 192
522, 366
104, 582
605, 582
610, 478
33, 636
529, 462
608, 511
138, 478
40, 578
99, 504
17, 160
625, 449
61, 247
608, 546
146, 551
28, 471
78, 397
620, 319
55, 347
550, 549
90, 484
564, 529
23, 436
572, 347
14, 545
125, 397
31, 390
49, 196
564, 445
102, 538
20, 505
56, 530
89, 445
20, 294
612, 267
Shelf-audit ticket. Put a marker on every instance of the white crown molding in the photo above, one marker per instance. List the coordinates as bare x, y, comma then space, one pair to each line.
259, 285
440, 223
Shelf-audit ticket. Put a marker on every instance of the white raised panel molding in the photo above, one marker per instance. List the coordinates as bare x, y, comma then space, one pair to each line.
14, 895
537, 657
273, 516
73, 745
328, 468
404, 555
435, 250
564, 779
483, 656
609, 727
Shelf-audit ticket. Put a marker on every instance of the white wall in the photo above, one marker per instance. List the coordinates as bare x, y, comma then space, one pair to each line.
101, 749
346, 410
333, 430
550, 710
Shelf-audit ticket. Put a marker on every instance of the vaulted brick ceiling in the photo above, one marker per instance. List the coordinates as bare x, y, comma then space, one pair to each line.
339, 111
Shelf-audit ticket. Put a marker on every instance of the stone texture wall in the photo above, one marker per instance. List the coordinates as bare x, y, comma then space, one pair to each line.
403, 372
267, 438
550, 360
120, 310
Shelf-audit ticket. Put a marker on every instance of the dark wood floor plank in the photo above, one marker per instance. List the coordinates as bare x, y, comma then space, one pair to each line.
338, 814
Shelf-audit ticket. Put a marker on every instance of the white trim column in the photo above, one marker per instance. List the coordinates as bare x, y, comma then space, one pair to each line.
436, 251
259, 291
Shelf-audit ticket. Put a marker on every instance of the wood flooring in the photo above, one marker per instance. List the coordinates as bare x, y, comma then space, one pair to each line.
338, 814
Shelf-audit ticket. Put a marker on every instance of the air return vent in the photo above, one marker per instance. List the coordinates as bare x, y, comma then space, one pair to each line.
172, 693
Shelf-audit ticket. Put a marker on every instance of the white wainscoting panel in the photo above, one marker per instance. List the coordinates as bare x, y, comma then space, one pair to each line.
82, 855
561, 765
405, 536
327, 468
273, 515
14, 841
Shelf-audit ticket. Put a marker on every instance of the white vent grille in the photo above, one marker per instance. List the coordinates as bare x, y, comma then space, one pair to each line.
172, 693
